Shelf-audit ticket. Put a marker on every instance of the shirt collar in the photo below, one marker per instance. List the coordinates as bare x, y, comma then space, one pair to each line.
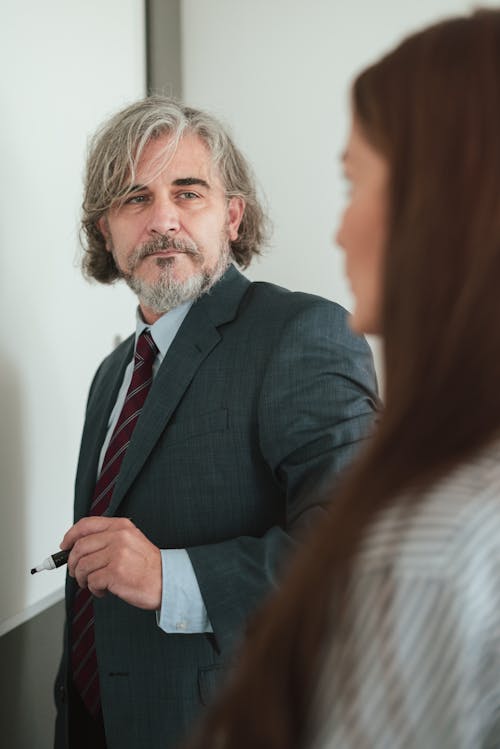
164, 330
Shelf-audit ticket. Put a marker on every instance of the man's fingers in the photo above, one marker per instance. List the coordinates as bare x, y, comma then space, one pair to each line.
97, 583
85, 547
88, 526
111, 554
109, 548
89, 565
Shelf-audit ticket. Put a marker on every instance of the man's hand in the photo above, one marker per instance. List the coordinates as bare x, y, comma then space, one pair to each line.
111, 554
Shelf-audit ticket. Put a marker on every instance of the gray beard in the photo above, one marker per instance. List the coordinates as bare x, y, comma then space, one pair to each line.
168, 293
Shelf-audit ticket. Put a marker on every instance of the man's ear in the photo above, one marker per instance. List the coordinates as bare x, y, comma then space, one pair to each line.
235, 211
103, 226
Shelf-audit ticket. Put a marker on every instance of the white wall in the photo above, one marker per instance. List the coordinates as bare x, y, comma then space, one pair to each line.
65, 66
278, 72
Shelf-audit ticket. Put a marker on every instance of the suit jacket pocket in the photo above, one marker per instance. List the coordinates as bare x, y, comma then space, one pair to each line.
210, 680
181, 429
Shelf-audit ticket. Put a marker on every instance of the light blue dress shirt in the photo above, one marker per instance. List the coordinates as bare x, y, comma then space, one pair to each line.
182, 608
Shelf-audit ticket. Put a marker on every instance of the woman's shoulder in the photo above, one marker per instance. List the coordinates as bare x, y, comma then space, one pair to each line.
457, 520
417, 660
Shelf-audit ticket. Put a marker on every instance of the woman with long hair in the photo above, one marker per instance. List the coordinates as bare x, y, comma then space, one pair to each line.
386, 632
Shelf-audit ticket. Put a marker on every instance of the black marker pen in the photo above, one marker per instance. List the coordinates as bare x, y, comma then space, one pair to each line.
55, 560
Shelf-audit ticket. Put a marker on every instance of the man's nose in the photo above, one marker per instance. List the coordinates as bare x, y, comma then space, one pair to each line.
164, 217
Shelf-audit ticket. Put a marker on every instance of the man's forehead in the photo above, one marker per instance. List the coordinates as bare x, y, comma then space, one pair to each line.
186, 160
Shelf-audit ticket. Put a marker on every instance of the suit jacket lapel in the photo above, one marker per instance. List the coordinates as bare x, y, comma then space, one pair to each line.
96, 424
196, 338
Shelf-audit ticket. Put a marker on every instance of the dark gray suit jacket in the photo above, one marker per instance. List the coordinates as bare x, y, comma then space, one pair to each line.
262, 393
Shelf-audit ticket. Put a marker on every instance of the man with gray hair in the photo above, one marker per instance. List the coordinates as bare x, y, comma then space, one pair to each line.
205, 432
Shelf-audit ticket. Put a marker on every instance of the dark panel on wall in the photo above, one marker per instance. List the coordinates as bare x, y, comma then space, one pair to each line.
163, 44
29, 657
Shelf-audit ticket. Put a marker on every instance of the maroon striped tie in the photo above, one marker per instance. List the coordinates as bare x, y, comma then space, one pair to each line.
83, 655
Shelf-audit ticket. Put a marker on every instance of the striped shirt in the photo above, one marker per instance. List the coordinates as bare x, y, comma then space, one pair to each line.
418, 663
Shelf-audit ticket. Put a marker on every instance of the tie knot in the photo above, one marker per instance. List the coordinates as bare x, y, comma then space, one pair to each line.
146, 349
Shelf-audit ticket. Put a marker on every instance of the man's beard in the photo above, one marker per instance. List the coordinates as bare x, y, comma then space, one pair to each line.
167, 292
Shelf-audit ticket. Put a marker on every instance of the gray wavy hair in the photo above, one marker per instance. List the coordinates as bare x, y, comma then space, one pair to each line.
114, 153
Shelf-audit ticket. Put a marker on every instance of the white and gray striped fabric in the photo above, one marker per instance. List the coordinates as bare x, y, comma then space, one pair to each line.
419, 663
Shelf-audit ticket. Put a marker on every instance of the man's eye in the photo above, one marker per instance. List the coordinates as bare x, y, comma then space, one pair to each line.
188, 195
136, 199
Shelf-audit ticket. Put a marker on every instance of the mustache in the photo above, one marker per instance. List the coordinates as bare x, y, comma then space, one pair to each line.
162, 242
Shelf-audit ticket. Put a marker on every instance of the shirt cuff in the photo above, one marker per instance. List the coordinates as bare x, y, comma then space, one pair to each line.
182, 608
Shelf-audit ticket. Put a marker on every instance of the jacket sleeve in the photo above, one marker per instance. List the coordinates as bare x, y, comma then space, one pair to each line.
317, 403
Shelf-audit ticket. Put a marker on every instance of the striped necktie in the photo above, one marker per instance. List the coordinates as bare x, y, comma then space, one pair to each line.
83, 653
